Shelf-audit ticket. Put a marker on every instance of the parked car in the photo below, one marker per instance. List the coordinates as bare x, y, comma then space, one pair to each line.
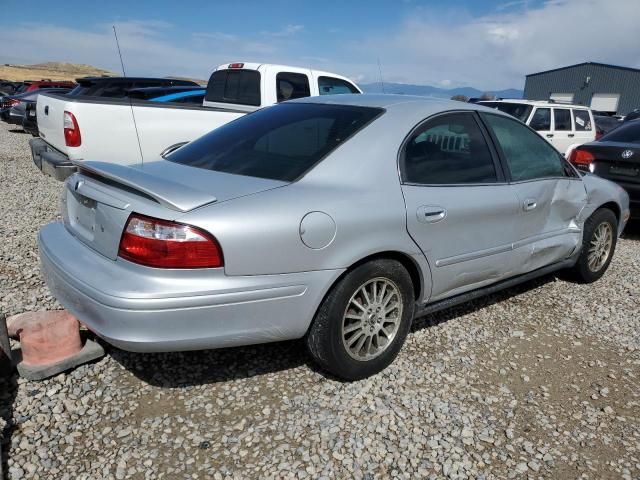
31, 85
15, 105
616, 157
334, 219
119, 87
30, 120
605, 123
153, 93
563, 125
78, 127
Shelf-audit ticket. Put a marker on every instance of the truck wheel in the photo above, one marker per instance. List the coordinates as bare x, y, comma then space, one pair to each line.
363, 322
598, 245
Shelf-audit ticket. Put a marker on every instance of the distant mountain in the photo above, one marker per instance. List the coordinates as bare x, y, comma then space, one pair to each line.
429, 91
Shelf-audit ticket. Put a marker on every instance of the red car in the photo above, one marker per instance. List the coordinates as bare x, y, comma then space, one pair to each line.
29, 85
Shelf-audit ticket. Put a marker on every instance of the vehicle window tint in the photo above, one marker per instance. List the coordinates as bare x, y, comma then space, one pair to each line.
627, 133
292, 85
582, 120
541, 120
527, 154
191, 99
449, 149
234, 86
335, 86
562, 119
279, 143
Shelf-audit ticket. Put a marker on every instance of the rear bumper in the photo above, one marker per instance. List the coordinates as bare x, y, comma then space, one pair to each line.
146, 309
50, 161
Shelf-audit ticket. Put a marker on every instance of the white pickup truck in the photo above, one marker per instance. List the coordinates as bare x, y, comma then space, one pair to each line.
127, 131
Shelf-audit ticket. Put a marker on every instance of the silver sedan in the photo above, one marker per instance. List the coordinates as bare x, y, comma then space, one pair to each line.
336, 219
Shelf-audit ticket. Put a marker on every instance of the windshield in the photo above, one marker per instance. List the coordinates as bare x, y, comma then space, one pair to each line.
520, 111
627, 133
277, 143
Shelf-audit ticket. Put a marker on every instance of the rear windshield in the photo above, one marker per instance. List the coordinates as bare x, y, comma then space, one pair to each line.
520, 111
277, 143
629, 133
234, 86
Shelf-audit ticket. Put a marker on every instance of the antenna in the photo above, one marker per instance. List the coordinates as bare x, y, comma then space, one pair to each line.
124, 74
380, 72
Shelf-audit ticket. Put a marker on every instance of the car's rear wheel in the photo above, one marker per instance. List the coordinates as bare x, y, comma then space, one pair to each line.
598, 246
364, 320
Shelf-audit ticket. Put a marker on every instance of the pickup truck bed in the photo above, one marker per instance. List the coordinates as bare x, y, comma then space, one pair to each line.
159, 125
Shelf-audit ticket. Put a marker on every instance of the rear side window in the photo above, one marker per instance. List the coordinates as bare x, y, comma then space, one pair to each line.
279, 143
449, 149
541, 120
527, 154
627, 133
582, 120
562, 119
335, 86
234, 86
292, 85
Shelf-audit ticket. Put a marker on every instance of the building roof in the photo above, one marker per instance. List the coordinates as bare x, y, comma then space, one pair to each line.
586, 63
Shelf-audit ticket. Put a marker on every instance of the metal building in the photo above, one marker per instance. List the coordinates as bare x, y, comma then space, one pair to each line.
607, 88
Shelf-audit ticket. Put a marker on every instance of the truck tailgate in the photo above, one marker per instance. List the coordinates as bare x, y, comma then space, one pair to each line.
50, 110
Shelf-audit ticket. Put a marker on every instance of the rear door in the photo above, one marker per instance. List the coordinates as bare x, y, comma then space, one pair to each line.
460, 211
584, 129
550, 194
563, 134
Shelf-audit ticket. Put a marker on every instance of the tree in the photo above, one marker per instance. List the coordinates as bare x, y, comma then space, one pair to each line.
460, 98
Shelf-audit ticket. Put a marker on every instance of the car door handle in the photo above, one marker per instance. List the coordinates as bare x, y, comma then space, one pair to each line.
571, 135
529, 204
431, 214
549, 135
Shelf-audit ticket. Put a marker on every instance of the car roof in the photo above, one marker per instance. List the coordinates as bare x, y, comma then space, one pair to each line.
392, 102
538, 103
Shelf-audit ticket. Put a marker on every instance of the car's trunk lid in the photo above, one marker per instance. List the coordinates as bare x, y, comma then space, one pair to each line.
616, 161
99, 199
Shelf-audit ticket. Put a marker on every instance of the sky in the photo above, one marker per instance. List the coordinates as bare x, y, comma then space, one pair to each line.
485, 44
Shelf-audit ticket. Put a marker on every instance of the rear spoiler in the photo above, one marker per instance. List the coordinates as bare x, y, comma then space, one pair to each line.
173, 195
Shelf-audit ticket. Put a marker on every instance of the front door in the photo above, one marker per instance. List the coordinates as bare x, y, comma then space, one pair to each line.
459, 209
563, 134
550, 195
541, 123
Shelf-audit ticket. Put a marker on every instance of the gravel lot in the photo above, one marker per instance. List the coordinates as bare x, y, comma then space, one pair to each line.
539, 381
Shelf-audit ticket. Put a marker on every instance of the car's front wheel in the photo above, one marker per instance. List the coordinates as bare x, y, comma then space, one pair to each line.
364, 320
598, 245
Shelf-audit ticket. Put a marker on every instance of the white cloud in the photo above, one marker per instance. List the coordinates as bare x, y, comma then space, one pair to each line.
287, 31
497, 50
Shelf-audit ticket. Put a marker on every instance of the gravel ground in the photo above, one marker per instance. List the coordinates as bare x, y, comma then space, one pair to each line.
539, 381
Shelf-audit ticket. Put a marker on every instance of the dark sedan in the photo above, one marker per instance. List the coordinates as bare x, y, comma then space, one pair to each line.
13, 107
616, 157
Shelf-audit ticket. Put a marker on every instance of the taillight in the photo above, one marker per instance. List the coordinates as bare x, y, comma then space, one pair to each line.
582, 159
13, 101
164, 244
72, 136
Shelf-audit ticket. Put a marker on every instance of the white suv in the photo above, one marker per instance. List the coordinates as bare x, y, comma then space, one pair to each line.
565, 126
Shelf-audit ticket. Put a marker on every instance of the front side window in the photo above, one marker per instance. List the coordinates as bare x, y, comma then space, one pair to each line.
234, 86
582, 120
528, 155
562, 119
450, 149
278, 143
292, 85
335, 86
541, 120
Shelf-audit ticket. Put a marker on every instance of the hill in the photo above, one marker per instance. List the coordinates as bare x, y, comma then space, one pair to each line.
429, 91
50, 70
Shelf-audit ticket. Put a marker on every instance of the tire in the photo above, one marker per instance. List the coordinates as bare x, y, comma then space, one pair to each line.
329, 344
584, 271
